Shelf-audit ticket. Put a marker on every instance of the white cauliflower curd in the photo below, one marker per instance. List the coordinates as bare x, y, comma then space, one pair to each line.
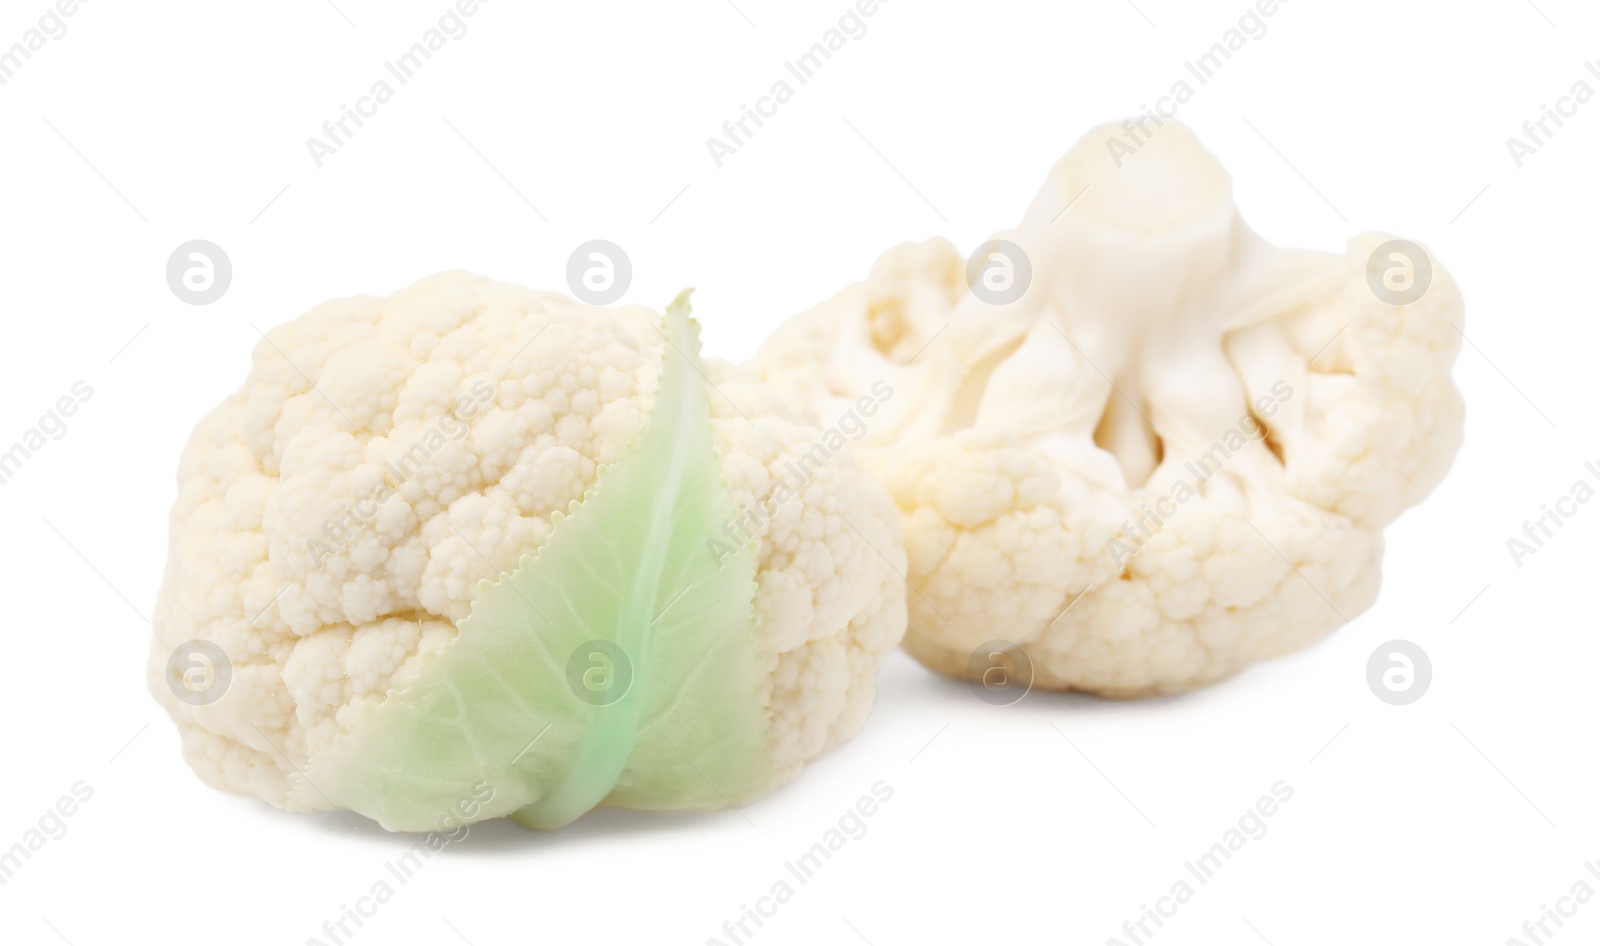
470, 519
1132, 437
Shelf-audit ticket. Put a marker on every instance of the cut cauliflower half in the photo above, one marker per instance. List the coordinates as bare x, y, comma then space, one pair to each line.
1141, 443
474, 550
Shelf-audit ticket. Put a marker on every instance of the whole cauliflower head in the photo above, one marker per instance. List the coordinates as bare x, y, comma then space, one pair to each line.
470, 519
1131, 437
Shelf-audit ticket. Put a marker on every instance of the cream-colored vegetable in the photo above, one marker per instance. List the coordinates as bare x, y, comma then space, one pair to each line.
337, 515
1173, 454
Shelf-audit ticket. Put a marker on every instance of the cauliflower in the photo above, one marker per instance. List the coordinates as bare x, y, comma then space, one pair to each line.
1138, 441
474, 551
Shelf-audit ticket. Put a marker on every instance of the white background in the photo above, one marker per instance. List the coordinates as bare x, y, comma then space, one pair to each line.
1448, 821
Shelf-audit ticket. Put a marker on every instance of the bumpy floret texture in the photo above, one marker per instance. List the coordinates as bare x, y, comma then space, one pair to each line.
1139, 441
337, 515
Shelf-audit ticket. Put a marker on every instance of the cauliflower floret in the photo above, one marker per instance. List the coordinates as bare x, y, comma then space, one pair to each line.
336, 516
1169, 455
